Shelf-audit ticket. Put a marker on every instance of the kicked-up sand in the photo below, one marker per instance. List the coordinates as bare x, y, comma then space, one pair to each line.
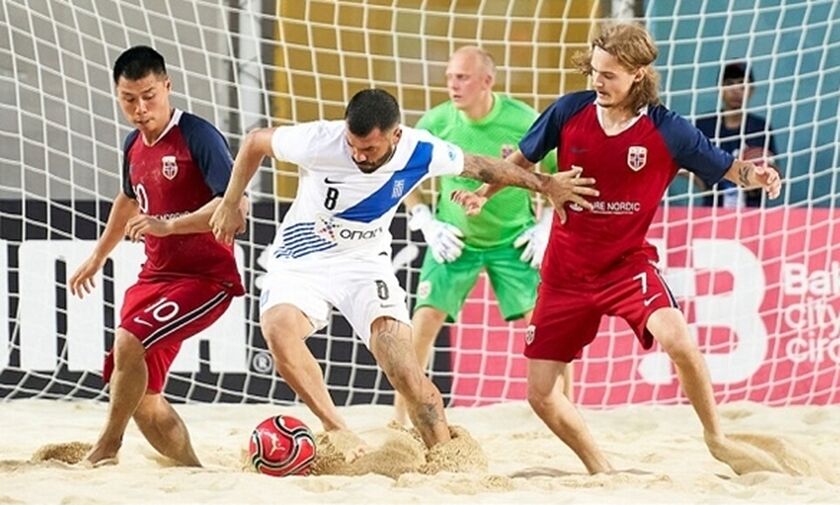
499, 454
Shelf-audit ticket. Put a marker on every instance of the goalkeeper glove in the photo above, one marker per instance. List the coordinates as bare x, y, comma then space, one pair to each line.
535, 239
442, 238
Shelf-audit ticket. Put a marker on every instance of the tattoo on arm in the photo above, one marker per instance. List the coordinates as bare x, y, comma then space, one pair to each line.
501, 173
478, 167
744, 175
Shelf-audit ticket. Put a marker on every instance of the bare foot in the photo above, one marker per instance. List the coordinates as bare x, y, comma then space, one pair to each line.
102, 454
792, 459
102, 462
741, 457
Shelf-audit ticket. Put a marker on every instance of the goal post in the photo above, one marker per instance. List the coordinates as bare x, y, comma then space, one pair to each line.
760, 287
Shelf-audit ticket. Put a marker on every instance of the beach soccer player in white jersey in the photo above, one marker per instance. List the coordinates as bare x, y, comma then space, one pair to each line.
334, 246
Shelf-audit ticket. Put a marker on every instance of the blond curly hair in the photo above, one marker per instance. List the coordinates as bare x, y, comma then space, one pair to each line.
634, 48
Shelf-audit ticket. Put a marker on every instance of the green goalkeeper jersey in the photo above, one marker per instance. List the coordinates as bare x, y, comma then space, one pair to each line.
509, 212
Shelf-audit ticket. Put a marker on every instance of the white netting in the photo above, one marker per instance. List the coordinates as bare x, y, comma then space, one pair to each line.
770, 330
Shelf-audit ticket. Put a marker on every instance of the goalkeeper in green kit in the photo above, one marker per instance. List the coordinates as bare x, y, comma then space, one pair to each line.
505, 239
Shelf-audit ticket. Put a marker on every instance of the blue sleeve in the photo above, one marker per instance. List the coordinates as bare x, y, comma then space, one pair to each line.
210, 152
544, 134
707, 125
126, 178
689, 147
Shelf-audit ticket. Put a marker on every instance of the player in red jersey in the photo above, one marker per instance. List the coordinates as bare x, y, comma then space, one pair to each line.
598, 261
176, 167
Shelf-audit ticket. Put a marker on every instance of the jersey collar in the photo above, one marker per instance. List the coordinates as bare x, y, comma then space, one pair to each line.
599, 112
173, 121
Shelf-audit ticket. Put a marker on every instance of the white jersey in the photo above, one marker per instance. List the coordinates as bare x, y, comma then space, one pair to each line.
340, 210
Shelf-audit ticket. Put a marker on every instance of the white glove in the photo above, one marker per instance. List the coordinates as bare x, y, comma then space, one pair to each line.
442, 238
535, 239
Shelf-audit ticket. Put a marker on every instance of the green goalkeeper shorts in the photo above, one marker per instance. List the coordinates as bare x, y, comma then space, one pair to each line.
445, 286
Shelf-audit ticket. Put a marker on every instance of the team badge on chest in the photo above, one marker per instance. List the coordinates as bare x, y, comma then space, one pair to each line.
636, 157
170, 167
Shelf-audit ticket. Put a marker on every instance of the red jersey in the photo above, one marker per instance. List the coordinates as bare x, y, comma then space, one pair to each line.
187, 166
632, 171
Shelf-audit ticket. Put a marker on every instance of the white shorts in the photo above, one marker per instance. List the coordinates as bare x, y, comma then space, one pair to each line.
362, 289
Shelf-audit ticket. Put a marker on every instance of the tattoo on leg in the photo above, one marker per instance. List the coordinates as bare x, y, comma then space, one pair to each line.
387, 342
427, 414
392, 352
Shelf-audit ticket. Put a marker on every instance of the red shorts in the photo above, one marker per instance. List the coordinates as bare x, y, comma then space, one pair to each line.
566, 318
164, 314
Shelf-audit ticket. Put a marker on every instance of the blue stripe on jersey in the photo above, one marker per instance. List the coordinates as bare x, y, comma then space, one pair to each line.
544, 134
392, 192
300, 239
209, 150
689, 148
127, 188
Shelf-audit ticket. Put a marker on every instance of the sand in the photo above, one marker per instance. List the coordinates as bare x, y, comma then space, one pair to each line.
504, 454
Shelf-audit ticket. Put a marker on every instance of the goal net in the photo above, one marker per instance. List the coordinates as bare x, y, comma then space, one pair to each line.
760, 286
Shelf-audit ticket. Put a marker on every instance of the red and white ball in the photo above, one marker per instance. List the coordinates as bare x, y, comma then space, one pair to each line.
281, 446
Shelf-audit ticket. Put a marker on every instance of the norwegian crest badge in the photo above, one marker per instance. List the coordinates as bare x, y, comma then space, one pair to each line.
530, 334
170, 167
636, 157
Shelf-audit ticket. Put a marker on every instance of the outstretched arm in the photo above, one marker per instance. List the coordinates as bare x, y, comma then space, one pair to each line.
518, 159
748, 175
499, 173
559, 188
227, 219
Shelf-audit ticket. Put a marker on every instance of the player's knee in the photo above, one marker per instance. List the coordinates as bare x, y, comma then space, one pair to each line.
277, 335
429, 320
390, 342
127, 349
272, 333
539, 398
679, 346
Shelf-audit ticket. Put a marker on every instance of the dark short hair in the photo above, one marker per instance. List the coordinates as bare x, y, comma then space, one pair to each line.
736, 70
370, 109
137, 62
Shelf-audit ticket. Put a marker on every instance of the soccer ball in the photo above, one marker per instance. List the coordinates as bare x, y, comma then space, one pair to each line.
281, 446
